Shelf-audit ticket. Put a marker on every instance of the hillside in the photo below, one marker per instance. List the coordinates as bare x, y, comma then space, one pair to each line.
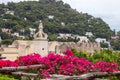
57, 17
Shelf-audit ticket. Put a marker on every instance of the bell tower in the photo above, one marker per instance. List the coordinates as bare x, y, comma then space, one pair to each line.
40, 34
40, 42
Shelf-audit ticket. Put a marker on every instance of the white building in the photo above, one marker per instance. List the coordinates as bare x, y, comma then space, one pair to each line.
51, 16
62, 23
83, 38
89, 34
62, 35
21, 36
65, 36
32, 31
5, 19
9, 12
15, 34
25, 19
99, 40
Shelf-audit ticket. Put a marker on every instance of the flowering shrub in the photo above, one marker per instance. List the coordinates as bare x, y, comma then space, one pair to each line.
28, 60
7, 63
106, 66
68, 64
68, 52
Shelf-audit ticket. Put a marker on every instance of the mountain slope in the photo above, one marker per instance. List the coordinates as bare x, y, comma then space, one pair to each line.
57, 16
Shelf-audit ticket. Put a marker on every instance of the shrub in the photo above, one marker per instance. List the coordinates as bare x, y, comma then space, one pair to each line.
6, 77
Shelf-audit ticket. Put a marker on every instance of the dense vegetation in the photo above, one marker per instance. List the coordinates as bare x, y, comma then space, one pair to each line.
57, 16
116, 43
103, 55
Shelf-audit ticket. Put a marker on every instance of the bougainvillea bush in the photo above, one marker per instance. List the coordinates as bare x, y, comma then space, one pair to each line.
66, 64
7, 63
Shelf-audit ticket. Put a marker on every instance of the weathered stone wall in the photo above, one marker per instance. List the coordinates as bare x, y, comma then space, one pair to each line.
59, 47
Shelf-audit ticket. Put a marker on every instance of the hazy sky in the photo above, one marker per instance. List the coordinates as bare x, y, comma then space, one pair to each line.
108, 10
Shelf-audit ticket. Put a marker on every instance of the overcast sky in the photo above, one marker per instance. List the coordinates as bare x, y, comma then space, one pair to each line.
108, 10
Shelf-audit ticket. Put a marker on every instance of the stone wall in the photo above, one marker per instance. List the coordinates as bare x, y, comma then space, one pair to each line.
59, 47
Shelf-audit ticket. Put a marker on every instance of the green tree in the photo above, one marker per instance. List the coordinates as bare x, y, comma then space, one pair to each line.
52, 37
7, 41
104, 45
115, 44
2, 8
118, 33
